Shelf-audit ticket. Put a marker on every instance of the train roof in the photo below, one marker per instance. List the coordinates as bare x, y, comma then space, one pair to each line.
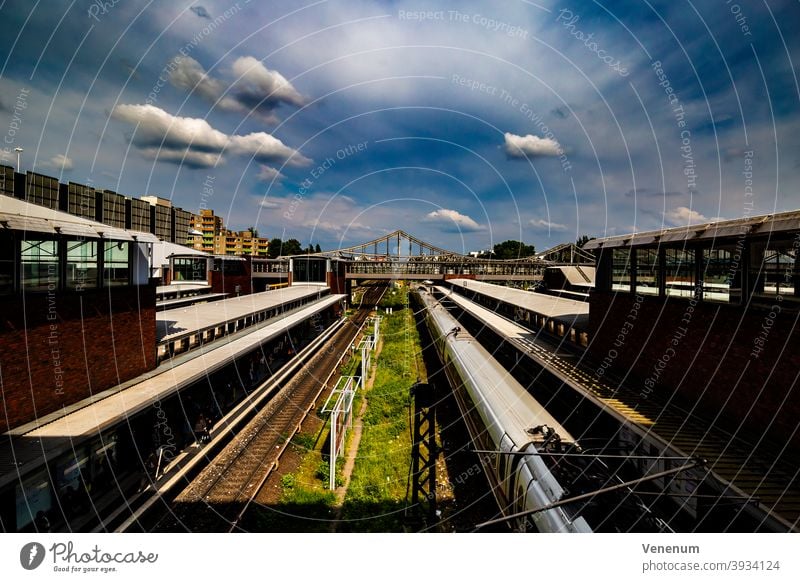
511, 408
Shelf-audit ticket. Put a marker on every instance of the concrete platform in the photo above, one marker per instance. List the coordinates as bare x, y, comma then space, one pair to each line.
569, 311
172, 323
110, 411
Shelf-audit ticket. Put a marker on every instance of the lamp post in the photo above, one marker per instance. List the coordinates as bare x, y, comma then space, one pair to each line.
19, 162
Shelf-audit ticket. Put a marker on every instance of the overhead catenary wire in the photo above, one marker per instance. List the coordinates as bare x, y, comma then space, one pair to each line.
604, 490
582, 455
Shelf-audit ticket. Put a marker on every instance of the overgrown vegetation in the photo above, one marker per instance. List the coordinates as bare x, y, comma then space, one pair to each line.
378, 491
377, 495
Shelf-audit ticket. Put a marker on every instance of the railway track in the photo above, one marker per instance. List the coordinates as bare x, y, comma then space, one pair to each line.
220, 495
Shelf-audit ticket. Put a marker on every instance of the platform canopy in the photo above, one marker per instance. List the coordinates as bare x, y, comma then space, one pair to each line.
19, 215
768, 224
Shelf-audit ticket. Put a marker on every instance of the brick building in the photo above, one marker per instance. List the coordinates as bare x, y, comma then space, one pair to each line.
706, 314
78, 310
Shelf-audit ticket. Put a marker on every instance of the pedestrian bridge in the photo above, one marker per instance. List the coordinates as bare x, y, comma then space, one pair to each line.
399, 255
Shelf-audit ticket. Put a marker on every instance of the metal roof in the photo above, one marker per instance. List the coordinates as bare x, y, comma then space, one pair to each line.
18, 214
754, 225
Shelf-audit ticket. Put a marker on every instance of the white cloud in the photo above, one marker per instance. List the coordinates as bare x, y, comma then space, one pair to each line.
256, 83
59, 162
255, 89
542, 224
518, 146
193, 141
453, 221
269, 203
189, 74
268, 174
682, 216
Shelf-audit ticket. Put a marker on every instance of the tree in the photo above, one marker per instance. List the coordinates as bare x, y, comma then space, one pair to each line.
317, 249
513, 249
582, 240
292, 247
254, 231
275, 248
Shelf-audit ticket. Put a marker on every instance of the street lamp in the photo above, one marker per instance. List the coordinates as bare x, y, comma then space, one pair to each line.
19, 153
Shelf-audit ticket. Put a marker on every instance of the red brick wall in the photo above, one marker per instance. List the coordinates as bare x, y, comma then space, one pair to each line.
226, 283
471, 276
707, 357
335, 282
56, 350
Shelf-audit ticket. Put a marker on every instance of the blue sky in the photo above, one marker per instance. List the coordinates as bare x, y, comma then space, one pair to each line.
463, 123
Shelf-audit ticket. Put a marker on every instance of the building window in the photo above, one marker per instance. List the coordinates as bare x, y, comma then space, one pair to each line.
7, 263
189, 269
621, 270
39, 261
774, 268
679, 272
81, 265
720, 275
116, 264
647, 271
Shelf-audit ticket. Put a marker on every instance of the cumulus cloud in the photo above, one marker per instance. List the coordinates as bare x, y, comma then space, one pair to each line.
59, 162
254, 89
189, 74
268, 174
453, 221
542, 224
193, 141
682, 216
531, 146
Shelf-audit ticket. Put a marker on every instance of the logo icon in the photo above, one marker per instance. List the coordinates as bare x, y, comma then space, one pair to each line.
31, 555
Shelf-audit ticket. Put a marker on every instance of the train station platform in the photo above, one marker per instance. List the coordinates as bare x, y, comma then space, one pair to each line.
188, 327
750, 470
178, 302
559, 316
54, 434
178, 290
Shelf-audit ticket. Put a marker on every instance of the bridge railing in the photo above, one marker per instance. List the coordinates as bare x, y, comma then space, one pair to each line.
434, 268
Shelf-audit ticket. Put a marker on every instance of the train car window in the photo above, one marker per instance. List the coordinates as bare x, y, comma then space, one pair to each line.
32, 496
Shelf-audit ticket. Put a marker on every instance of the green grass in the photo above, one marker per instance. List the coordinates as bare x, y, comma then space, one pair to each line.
378, 487
376, 496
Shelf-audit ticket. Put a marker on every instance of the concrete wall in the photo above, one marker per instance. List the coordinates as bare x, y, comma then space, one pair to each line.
56, 349
740, 364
